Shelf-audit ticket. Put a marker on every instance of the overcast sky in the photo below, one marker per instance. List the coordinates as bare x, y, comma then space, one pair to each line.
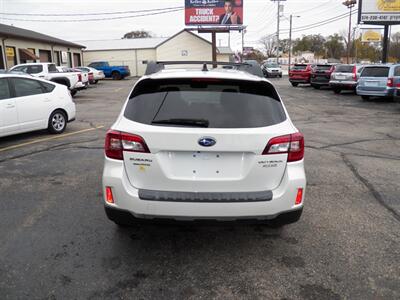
259, 16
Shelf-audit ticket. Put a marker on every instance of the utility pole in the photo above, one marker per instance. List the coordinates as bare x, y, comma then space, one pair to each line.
350, 4
354, 43
290, 40
277, 29
277, 32
385, 44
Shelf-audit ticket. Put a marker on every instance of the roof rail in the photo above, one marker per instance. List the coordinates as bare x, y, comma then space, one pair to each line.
249, 67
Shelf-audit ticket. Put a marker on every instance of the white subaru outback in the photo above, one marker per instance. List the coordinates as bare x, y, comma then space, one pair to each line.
204, 144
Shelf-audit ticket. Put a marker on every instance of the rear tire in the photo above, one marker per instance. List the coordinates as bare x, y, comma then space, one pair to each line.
57, 122
365, 98
337, 91
96, 81
295, 84
280, 76
116, 75
317, 87
73, 92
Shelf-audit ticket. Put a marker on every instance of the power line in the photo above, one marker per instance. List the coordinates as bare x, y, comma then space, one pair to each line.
327, 21
96, 19
93, 14
312, 8
311, 26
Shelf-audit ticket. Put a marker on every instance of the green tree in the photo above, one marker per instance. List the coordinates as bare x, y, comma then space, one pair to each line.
334, 46
366, 51
313, 43
394, 48
284, 45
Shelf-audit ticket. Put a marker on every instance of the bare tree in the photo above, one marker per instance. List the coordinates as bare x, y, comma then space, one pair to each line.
269, 45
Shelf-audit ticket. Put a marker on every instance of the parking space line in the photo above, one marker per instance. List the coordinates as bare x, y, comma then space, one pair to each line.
50, 138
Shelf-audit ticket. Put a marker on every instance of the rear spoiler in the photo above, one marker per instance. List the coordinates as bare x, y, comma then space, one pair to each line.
251, 68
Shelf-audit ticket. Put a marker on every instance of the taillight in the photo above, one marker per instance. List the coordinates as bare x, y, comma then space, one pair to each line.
355, 73
299, 196
109, 195
117, 142
292, 144
79, 77
390, 82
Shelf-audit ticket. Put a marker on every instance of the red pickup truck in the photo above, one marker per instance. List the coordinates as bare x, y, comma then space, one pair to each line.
300, 74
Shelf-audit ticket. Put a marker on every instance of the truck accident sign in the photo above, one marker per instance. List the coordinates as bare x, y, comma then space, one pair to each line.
214, 12
384, 12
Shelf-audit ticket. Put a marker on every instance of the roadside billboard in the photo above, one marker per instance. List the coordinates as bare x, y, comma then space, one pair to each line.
213, 12
371, 35
379, 12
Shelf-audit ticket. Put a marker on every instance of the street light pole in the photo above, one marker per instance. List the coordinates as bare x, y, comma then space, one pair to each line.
350, 4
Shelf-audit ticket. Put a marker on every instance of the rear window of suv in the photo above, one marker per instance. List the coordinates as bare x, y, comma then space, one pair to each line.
375, 72
344, 68
217, 103
323, 67
299, 67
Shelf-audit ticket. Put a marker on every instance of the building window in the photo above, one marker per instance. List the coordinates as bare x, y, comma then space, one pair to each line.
45, 55
1, 59
57, 58
69, 60
77, 60
11, 56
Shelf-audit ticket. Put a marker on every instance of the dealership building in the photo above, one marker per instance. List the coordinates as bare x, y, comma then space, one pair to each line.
135, 53
18, 45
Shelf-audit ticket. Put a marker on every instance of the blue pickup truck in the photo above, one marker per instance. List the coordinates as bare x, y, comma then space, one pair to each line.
114, 72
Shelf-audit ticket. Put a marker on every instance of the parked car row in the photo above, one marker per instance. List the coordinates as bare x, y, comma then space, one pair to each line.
30, 103
36, 96
74, 79
366, 80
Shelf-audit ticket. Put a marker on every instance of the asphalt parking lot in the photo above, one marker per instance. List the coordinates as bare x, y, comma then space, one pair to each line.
56, 242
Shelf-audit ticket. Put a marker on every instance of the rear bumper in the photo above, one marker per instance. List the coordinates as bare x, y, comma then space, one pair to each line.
116, 214
71, 111
81, 86
319, 82
272, 74
126, 198
299, 80
351, 85
390, 92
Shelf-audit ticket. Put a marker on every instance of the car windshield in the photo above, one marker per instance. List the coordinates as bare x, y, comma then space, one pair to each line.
344, 68
205, 102
375, 72
272, 66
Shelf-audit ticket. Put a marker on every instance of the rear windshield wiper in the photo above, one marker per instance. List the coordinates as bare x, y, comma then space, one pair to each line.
189, 122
